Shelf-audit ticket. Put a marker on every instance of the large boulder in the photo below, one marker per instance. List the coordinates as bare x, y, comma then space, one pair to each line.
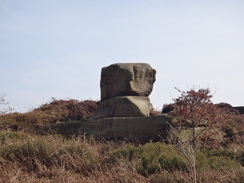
127, 79
124, 106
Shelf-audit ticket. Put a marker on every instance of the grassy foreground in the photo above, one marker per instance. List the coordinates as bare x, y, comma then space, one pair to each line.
53, 158
29, 154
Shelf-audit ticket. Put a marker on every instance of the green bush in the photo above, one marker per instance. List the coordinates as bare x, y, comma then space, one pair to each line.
215, 159
157, 157
233, 152
151, 157
167, 177
44, 156
29, 150
48, 151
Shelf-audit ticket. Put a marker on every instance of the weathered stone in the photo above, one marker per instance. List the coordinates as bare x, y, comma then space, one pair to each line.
124, 106
142, 129
240, 109
127, 79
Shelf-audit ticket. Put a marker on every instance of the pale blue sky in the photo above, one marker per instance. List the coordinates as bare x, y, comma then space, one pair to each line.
56, 48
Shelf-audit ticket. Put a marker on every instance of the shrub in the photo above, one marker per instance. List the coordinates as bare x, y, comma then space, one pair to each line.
233, 152
47, 114
66, 110
151, 157
169, 177
196, 108
9, 137
212, 162
168, 108
50, 151
52, 158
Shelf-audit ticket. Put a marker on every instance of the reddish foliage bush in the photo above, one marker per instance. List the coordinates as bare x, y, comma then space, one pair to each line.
195, 108
232, 128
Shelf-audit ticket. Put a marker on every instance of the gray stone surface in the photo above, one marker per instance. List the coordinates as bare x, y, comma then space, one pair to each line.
125, 106
127, 79
142, 129
240, 109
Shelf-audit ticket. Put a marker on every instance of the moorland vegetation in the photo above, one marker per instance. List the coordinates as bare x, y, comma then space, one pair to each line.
31, 153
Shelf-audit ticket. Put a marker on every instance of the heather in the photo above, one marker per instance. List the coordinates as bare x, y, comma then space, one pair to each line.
29, 152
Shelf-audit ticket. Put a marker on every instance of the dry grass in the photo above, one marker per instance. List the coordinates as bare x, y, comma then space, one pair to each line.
27, 157
53, 112
53, 158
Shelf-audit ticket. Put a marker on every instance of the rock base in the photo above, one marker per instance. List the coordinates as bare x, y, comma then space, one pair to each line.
142, 129
132, 106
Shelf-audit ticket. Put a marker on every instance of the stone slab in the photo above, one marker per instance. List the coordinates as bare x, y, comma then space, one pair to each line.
142, 129
125, 106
